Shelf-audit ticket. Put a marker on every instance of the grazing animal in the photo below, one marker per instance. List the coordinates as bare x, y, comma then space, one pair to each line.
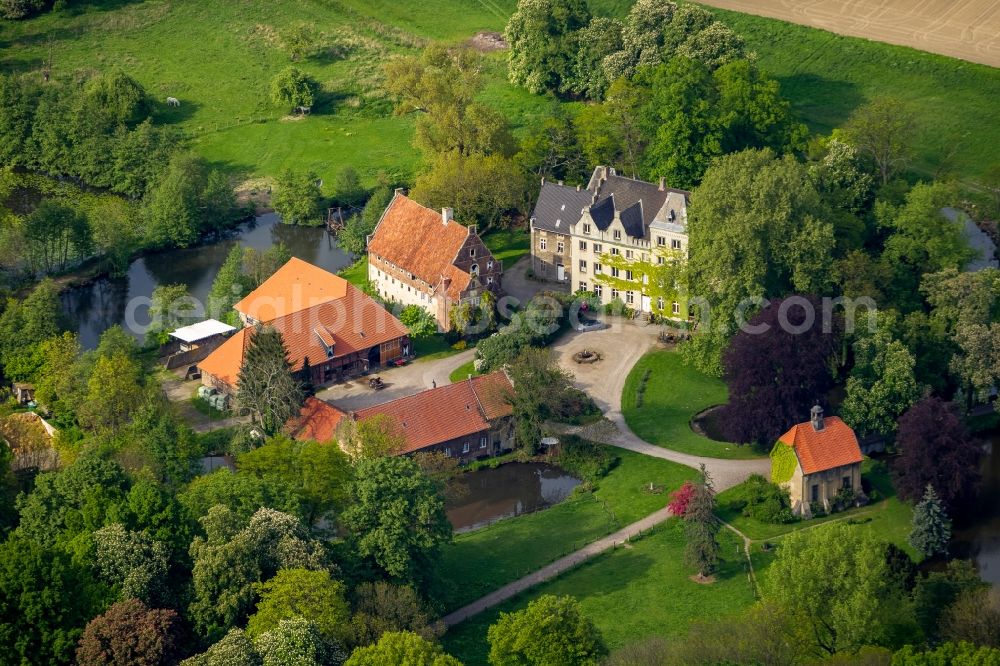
173, 101
303, 110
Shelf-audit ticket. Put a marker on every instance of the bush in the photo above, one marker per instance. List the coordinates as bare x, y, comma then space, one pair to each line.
679, 499
767, 502
576, 408
584, 459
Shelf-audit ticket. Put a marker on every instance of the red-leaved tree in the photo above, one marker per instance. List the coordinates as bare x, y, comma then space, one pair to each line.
130, 634
776, 372
935, 448
679, 499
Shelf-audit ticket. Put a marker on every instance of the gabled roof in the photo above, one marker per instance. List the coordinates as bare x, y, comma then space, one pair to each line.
447, 412
317, 421
559, 206
819, 450
352, 323
295, 286
417, 240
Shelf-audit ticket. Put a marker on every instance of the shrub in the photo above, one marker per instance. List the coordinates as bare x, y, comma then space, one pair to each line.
679, 499
766, 501
585, 459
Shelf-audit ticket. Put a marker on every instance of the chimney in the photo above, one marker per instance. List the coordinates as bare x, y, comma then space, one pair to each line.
577, 188
446, 215
817, 417
663, 183
560, 183
543, 180
400, 190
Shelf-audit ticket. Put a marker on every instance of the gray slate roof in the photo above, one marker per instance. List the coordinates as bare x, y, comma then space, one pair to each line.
559, 206
637, 201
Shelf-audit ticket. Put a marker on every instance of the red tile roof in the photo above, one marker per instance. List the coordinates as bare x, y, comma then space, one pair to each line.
353, 322
317, 421
296, 286
447, 412
415, 239
819, 450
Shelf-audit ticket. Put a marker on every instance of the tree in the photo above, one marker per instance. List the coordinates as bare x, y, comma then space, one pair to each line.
543, 43
953, 654
542, 389
883, 129
418, 321
974, 618
293, 88
441, 85
551, 630
753, 112
347, 187
113, 394
375, 437
234, 649
241, 493
381, 608
297, 198
57, 386
131, 633
715, 46
978, 359
266, 385
187, 199
701, 528
935, 591
397, 518
229, 561
131, 561
481, 189
24, 325
311, 595
881, 385
297, 642
774, 377
834, 581
935, 448
57, 234
401, 647
931, 526
319, 474
600, 38
229, 286
171, 306
45, 601
301, 40
353, 237
745, 248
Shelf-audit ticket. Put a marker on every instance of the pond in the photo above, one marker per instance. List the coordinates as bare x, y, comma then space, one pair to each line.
98, 305
981, 540
508, 490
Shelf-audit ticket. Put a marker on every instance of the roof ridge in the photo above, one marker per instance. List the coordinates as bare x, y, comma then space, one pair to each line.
479, 403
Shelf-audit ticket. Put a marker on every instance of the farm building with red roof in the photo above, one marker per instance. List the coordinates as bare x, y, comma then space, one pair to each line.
817, 461
418, 256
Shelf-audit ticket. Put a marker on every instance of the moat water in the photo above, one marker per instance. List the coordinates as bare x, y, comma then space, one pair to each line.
102, 303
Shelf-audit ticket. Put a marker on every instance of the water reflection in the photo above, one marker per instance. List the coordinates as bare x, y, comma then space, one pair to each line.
981, 541
94, 307
508, 490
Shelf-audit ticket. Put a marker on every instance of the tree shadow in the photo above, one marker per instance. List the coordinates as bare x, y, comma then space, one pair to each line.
821, 102
165, 114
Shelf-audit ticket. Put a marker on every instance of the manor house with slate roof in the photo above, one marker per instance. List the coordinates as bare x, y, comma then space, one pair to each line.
574, 230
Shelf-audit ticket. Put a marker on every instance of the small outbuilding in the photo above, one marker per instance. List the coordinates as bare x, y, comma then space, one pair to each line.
23, 392
208, 332
817, 461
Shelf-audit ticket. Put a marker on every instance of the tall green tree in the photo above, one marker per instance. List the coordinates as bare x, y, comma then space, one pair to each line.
397, 518
401, 647
311, 595
551, 630
186, 200
266, 385
882, 385
884, 129
114, 393
543, 42
931, 526
835, 581
354, 237
747, 248
292, 88
701, 528
297, 198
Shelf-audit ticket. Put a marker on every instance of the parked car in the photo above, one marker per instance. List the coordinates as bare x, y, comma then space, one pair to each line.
590, 325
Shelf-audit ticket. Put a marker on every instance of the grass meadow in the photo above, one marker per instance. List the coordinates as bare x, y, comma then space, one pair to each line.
218, 58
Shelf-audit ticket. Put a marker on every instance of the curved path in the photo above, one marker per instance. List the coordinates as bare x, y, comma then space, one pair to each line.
621, 346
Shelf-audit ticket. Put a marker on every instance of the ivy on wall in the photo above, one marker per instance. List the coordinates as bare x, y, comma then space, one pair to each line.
783, 462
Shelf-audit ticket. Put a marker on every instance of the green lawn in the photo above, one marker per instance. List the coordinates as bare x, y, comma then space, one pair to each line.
673, 394
826, 76
508, 245
888, 518
630, 593
433, 348
356, 273
463, 371
481, 561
